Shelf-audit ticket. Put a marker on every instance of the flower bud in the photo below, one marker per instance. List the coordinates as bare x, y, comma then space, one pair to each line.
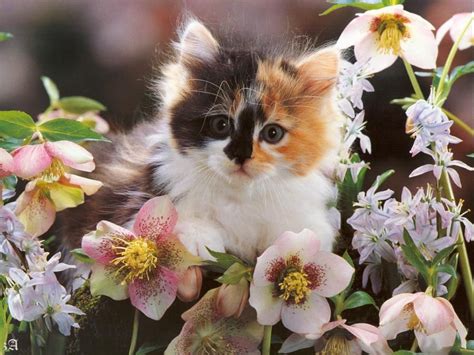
190, 285
232, 299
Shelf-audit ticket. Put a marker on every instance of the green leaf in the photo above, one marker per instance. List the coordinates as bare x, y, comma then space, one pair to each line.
223, 260
414, 257
453, 282
404, 352
348, 188
5, 36
80, 255
235, 273
16, 124
80, 104
359, 299
148, 348
448, 269
470, 345
9, 182
70, 130
442, 254
51, 89
382, 178
9, 143
360, 4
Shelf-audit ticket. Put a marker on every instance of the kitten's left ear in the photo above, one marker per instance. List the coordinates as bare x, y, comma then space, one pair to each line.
197, 43
320, 69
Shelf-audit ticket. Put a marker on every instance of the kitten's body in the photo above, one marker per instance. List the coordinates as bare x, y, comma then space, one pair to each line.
238, 191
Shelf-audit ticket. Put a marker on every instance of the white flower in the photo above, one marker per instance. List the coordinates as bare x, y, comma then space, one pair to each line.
455, 26
354, 130
384, 34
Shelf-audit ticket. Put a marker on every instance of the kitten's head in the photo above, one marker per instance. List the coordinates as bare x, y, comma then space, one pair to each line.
248, 115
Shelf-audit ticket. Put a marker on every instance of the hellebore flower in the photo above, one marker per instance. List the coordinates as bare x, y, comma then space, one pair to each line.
433, 320
232, 298
380, 36
455, 25
339, 338
6, 163
207, 331
190, 285
145, 264
291, 280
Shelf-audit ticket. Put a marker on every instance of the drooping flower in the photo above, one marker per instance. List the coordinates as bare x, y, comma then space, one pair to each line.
339, 338
433, 320
190, 286
384, 34
145, 264
207, 331
291, 280
455, 26
232, 298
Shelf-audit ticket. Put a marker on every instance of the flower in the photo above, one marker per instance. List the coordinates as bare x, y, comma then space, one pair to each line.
368, 206
354, 130
339, 338
190, 284
433, 320
455, 26
6, 163
291, 279
145, 264
453, 217
384, 34
232, 298
90, 118
207, 331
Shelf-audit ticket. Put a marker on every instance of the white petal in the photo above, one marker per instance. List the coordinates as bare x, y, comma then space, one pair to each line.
268, 306
420, 49
354, 32
445, 27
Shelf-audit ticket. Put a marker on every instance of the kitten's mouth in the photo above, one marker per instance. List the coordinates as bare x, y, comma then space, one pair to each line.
241, 172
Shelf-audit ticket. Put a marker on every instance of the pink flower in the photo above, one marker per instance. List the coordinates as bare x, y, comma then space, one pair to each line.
145, 264
6, 163
291, 280
207, 331
455, 26
190, 286
433, 320
232, 298
339, 338
380, 36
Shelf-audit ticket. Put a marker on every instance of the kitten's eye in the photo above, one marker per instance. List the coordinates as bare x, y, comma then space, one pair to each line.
220, 126
272, 133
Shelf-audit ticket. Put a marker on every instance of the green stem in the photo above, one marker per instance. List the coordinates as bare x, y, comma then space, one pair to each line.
449, 60
267, 339
133, 341
463, 257
459, 122
413, 80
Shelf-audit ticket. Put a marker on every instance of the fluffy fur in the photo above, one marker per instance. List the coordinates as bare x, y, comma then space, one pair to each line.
236, 192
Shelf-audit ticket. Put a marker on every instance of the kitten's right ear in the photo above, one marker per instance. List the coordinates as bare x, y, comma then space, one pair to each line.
197, 43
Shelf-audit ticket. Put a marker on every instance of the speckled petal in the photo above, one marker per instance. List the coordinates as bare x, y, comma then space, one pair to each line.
37, 212
157, 217
104, 283
30, 160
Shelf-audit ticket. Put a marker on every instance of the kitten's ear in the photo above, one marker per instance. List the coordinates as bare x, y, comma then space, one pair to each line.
320, 69
197, 43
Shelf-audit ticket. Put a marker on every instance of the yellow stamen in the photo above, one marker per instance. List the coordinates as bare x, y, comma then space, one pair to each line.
136, 258
295, 286
391, 30
54, 172
336, 345
414, 322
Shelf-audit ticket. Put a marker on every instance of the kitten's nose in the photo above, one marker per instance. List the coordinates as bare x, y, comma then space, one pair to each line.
238, 151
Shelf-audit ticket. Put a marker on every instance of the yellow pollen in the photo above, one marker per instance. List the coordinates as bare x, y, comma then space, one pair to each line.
54, 172
295, 286
336, 345
391, 30
136, 258
413, 321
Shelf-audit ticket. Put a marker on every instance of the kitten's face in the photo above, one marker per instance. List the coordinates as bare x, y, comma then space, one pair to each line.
248, 117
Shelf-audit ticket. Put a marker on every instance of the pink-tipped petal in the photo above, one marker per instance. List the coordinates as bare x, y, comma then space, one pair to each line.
103, 282
308, 316
156, 218
6, 163
89, 186
37, 212
443, 29
269, 267
354, 32
420, 49
329, 274
268, 306
71, 154
154, 296
99, 248
433, 314
304, 244
30, 160
370, 338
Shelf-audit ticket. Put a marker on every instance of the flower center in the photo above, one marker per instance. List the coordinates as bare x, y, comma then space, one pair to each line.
391, 30
136, 258
413, 321
336, 345
54, 172
295, 286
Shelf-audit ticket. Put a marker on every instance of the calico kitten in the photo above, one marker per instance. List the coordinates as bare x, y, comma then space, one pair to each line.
243, 142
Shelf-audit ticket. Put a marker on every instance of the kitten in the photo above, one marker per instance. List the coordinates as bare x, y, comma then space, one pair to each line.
243, 142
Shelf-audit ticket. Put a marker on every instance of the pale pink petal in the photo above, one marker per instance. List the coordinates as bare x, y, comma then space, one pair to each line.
30, 160
308, 316
157, 217
393, 307
89, 186
6, 163
268, 306
305, 244
420, 49
329, 274
354, 32
369, 338
104, 282
459, 22
456, 322
71, 154
438, 343
37, 213
367, 52
418, 21
295, 342
154, 296
269, 267
98, 247
421, 170
98, 123
444, 28
454, 176
433, 314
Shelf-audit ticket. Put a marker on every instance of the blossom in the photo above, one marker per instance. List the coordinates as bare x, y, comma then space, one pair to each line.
443, 161
428, 124
351, 86
372, 238
90, 118
453, 218
291, 280
207, 331
145, 264
384, 34
368, 206
6, 163
232, 298
455, 26
433, 320
354, 131
339, 338
346, 162
190, 285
